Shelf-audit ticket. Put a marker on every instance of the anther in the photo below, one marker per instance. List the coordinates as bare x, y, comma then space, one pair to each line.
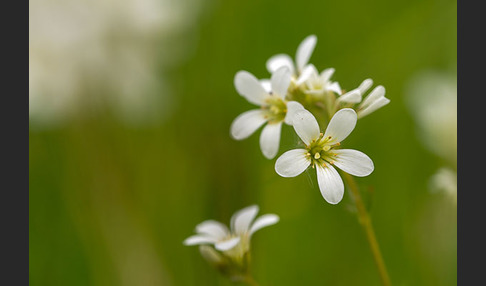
326, 148
317, 156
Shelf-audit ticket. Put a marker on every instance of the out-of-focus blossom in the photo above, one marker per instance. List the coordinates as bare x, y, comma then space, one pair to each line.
88, 54
432, 100
445, 180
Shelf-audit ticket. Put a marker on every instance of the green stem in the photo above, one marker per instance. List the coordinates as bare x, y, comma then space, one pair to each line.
365, 221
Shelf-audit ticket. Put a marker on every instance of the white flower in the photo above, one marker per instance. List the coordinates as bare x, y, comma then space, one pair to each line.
234, 242
376, 98
445, 180
274, 108
302, 56
316, 83
321, 153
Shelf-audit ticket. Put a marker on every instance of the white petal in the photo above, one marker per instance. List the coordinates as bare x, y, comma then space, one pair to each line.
341, 125
212, 228
379, 103
199, 239
353, 162
246, 123
330, 184
281, 81
292, 163
365, 85
264, 221
327, 74
307, 72
292, 108
353, 96
278, 61
375, 94
305, 125
242, 219
267, 85
227, 244
250, 87
335, 87
304, 51
270, 139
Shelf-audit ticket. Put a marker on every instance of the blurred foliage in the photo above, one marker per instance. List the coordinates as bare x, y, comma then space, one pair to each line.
110, 204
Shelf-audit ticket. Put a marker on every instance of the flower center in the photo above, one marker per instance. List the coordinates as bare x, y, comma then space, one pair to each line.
275, 108
319, 151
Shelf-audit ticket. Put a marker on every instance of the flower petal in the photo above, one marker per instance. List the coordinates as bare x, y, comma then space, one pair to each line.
212, 228
270, 139
250, 87
280, 81
199, 239
305, 125
327, 74
278, 61
246, 123
242, 219
335, 87
352, 96
307, 72
353, 162
292, 108
227, 244
267, 85
341, 125
304, 51
379, 103
330, 184
374, 95
263, 221
292, 163
365, 85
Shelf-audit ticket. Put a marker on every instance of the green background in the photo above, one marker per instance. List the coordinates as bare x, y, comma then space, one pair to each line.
111, 203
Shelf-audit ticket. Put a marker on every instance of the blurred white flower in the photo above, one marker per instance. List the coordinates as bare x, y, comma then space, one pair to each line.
432, 100
85, 54
321, 153
274, 109
234, 243
445, 181
302, 56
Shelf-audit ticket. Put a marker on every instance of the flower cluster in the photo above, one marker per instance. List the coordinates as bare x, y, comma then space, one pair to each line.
231, 246
297, 94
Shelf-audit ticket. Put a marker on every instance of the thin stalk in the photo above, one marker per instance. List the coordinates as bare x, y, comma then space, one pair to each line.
365, 221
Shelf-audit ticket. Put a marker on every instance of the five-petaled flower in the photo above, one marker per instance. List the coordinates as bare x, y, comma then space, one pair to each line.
234, 242
322, 153
274, 109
